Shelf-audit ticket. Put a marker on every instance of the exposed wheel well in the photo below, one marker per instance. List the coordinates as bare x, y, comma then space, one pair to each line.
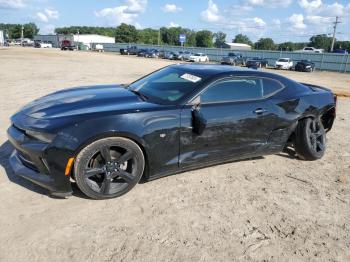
328, 119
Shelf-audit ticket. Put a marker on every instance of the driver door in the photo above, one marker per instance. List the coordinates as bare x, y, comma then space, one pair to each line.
236, 120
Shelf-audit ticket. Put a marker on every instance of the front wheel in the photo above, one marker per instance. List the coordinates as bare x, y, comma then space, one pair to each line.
310, 139
109, 167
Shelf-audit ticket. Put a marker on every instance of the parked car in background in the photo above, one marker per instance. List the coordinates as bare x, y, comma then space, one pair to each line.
233, 59
186, 55
341, 51
142, 52
129, 50
305, 66
199, 57
256, 62
152, 53
99, 48
284, 63
27, 42
68, 45
168, 55
179, 118
178, 55
40, 44
309, 49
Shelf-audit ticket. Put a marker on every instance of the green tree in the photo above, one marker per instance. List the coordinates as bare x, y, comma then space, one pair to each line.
30, 30
220, 39
242, 39
265, 44
107, 31
345, 45
321, 41
286, 46
204, 38
148, 36
126, 34
14, 30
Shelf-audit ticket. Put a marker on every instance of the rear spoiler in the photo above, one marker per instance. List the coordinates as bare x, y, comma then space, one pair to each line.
315, 87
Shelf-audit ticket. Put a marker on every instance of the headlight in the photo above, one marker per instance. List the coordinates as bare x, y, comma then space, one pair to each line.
45, 137
308, 66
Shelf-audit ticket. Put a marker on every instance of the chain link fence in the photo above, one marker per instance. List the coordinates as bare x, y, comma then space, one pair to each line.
324, 61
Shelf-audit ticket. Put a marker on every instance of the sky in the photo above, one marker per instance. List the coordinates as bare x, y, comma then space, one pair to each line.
282, 20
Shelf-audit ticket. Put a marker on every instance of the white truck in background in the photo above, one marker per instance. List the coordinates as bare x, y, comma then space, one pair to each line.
309, 49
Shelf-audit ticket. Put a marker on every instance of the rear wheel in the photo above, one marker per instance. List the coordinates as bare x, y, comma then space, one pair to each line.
310, 139
109, 167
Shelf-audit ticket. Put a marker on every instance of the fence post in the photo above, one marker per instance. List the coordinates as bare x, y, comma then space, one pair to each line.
346, 65
322, 61
342, 62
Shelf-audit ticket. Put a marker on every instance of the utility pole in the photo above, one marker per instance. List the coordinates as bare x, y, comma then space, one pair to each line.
22, 29
335, 31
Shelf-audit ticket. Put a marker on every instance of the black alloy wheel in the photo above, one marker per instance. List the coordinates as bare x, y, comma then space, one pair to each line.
310, 141
109, 167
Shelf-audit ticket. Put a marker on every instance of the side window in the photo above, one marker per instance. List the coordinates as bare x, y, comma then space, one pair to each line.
237, 89
271, 86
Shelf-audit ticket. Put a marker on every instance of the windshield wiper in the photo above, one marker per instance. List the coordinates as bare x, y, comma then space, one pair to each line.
142, 96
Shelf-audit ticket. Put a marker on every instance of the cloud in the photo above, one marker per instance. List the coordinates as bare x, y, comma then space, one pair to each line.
136, 6
126, 13
317, 7
42, 17
117, 15
310, 5
211, 14
259, 22
47, 29
11, 4
269, 3
51, 13
47, 15
318, 20
297, 21
171, 8
172, 24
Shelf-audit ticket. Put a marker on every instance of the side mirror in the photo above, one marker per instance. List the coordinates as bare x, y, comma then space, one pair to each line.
199, 123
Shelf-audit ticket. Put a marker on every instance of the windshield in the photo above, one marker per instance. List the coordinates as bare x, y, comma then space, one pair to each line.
283, 60
166, 86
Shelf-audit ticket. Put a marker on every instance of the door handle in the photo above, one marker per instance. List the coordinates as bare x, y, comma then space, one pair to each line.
259, 111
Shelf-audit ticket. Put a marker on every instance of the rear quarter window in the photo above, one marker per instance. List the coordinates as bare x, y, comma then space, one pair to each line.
271, 86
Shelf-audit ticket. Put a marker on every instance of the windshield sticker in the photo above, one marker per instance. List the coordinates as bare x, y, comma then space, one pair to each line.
192, 78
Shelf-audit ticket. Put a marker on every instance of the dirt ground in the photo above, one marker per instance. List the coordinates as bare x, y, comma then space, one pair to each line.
274, 208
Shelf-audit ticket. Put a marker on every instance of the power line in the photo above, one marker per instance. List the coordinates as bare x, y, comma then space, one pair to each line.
334, 31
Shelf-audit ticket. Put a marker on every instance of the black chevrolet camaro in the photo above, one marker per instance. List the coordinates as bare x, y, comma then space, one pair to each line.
181, 117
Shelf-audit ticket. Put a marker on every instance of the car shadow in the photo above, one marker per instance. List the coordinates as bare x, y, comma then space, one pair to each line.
288, 153
5, 152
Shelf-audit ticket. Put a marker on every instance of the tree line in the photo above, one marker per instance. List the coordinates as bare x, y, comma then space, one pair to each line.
125, 33
204, 38
14, 31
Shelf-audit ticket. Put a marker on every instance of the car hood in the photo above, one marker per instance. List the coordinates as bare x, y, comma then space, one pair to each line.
82, 100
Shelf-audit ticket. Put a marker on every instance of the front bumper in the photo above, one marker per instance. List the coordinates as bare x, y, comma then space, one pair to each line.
30, 161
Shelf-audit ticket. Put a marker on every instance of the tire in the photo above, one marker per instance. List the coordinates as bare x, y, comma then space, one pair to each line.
310, 139
109, 167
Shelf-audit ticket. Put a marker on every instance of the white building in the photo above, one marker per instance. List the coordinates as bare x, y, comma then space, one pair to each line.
78, 38
88, 40
2, 38
238, 46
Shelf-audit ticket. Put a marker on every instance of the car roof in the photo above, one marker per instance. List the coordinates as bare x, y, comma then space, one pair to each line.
212, 70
